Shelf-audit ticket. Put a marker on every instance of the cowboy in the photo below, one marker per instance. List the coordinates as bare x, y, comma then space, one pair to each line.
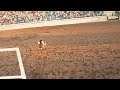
42, 45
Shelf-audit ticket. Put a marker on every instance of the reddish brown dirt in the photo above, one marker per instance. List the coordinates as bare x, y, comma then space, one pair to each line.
82, 51
9, 66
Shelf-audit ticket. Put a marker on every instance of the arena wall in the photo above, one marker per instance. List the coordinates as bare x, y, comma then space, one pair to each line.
54, 23
110, 14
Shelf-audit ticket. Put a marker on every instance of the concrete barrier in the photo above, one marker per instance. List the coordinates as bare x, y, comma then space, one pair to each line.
112, 17
54, 23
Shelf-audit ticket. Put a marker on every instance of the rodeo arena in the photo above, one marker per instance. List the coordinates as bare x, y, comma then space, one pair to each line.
59, 45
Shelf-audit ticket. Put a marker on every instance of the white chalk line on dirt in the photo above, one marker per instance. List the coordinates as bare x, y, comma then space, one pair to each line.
11, 77
22, 71
20, 64
7, 49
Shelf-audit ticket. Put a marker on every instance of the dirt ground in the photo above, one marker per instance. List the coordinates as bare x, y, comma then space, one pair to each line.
81, 51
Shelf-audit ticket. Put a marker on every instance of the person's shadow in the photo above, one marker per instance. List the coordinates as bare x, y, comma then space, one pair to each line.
43, 55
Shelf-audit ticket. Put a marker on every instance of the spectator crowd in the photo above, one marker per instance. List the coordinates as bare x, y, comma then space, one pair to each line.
15, 17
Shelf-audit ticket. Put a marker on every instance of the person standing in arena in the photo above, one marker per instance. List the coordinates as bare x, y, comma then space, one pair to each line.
42, 45
119, 15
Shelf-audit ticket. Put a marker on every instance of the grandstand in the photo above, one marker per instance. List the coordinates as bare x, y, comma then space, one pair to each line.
15, 17
29, 19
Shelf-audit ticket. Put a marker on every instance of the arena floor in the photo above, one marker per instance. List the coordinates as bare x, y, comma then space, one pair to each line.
81, 51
